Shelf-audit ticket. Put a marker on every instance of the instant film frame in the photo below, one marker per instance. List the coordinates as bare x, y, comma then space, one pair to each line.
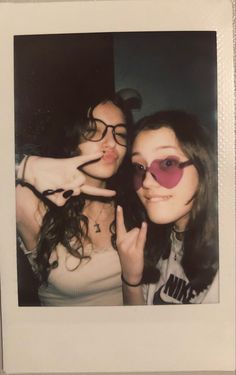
186, 338
59, 73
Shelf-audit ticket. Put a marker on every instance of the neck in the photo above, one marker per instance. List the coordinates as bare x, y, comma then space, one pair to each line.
100, 216
95, 182
94, 206
178, 230
181, 224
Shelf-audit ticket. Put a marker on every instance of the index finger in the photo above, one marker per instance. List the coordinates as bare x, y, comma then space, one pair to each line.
83, 159
92, 190
120, 225
142, 236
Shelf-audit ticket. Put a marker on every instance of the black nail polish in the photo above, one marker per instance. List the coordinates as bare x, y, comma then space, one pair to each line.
48, 192
51, 192
67, 194
59, 191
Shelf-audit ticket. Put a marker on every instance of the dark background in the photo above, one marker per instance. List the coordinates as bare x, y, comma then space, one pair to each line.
174, 70
58, 73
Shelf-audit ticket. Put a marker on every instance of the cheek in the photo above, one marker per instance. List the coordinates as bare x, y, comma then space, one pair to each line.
122, 152
166, 212
177, 206
140, 195
188, 185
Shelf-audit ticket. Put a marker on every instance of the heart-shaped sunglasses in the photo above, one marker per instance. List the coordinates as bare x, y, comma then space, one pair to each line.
167, 172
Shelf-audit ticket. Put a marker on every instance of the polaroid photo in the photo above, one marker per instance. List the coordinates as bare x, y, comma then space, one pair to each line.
107, 104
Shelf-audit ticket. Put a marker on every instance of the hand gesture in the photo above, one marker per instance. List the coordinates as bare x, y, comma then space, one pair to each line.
59, 179
130, 248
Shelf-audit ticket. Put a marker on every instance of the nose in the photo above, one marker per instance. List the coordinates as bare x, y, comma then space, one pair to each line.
149, 181
108, 140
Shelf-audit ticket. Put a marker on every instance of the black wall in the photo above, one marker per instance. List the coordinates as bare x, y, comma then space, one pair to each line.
61, 73
58, 74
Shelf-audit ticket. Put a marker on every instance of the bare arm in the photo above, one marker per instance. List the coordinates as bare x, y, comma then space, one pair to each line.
60, 178
132, 295
29, 214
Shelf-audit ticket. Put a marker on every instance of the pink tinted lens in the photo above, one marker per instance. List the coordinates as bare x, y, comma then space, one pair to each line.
165, 173
168, 175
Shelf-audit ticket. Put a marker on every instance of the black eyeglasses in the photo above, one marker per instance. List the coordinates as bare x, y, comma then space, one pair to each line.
97, 130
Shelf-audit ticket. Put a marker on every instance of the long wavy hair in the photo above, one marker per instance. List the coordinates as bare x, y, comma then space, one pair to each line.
67, 225
200, 243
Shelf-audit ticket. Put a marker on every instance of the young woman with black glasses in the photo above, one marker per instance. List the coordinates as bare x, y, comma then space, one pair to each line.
66, 209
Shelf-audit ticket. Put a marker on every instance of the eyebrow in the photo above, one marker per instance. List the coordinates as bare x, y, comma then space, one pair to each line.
156, 149
120, 123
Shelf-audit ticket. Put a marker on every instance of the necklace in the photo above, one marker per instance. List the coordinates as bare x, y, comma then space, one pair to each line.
179, 234
96, 225
177, 246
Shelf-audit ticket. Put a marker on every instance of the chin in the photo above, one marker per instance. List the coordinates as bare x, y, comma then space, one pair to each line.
158, 219
159, 216
103, 172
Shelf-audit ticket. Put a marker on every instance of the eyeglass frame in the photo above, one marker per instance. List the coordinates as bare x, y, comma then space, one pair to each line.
113, 127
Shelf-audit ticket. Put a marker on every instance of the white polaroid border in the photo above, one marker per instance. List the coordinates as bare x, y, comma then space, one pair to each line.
118, 339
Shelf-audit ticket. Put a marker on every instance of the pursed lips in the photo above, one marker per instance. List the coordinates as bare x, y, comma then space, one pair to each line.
110, 156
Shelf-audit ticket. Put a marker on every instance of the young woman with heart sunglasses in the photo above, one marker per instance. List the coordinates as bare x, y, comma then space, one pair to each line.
173, 257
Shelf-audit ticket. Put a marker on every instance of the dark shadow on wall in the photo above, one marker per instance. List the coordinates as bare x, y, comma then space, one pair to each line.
171, 70
58, 74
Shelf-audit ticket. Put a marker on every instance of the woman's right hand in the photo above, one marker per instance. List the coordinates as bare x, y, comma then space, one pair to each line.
59, 179
130, 247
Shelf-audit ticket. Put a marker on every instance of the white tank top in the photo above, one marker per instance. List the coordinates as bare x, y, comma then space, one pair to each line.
93, 282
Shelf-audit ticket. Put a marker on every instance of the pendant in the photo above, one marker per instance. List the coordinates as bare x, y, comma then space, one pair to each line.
97, 228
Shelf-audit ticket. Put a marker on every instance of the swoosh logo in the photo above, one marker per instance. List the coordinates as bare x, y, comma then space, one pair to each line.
158, 298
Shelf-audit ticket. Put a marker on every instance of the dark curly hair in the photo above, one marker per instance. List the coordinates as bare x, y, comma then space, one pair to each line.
67, 225
200, 258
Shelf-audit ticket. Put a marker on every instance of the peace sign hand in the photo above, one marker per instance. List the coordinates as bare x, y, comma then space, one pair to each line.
130, 248
59, 179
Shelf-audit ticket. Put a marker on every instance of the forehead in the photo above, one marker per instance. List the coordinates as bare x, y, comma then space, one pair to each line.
109, 113
155, 141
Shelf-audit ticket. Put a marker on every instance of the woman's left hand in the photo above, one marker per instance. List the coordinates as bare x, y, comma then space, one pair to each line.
59, 179
130, 247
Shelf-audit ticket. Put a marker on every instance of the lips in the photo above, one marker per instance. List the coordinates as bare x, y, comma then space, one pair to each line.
157, 198
110, 156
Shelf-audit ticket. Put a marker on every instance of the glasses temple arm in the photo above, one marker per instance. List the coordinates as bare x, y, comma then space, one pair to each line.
186, 163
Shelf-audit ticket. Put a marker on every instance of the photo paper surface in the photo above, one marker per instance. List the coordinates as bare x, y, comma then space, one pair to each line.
177, 56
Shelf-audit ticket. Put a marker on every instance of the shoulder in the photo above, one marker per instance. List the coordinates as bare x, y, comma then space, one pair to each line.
28, 206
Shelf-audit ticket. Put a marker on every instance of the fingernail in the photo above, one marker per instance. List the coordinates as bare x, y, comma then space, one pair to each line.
59, 191
51, 192
48, 192
67, 194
